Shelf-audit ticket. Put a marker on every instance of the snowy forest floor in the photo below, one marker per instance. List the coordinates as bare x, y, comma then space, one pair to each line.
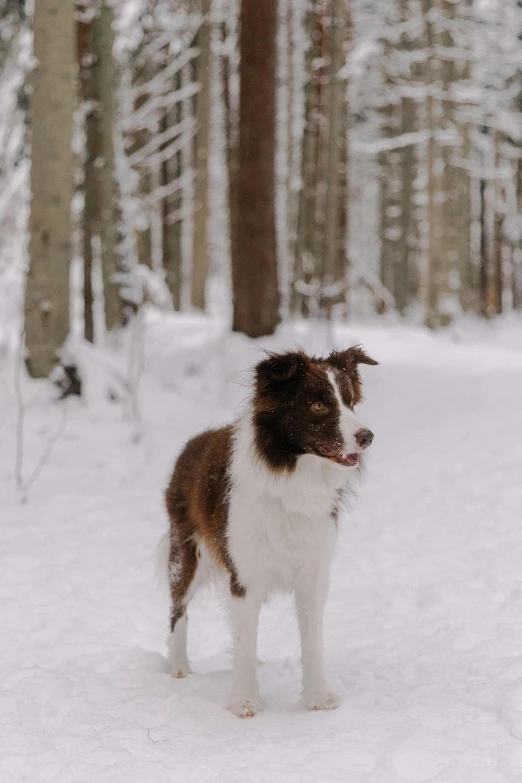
423, 626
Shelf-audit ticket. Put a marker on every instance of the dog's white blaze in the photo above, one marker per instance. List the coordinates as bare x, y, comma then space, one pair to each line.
349, 423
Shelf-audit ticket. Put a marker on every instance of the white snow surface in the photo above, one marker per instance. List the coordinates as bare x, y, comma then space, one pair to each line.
423, 628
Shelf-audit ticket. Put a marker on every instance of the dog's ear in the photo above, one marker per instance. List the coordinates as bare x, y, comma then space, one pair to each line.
278, 369
350, 358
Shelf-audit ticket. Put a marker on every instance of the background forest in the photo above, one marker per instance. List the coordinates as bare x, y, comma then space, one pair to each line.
314, 158
185, 184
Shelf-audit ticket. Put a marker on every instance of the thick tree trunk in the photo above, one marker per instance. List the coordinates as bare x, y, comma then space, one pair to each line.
52, 105
200, 255
254, 263
107, 191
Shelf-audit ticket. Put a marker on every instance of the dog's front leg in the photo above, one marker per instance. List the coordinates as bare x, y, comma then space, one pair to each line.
311, 591
244, 615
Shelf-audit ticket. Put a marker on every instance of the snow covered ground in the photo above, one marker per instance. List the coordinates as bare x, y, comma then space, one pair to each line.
424, 621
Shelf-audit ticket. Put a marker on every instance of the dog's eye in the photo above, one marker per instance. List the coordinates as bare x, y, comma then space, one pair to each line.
318, 407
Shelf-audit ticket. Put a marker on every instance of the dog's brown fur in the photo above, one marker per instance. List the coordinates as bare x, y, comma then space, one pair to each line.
197, 495
197, 504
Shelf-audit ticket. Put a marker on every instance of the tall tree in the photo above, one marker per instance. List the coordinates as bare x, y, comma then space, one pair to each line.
455, 71
171, 170
100, 213
254, 262
335, 264
90, 203
52, 105
321, 261
107, 189
398, 161
204, 71
305, 247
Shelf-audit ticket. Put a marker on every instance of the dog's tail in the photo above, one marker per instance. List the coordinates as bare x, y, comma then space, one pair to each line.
162, 562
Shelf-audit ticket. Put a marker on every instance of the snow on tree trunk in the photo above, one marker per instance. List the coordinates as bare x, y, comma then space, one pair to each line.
53, 102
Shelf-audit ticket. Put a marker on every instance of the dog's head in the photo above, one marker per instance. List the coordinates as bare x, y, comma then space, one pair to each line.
305, 405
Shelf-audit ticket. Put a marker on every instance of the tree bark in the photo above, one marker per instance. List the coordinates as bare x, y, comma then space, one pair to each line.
254, 263
516, 276
107, 191
497, 282
437, 280
52, 105
143, 231
456, 238
84, 33
231, 110
335, 264
391, 186
204, 70
305, 262
171, 207
484, 277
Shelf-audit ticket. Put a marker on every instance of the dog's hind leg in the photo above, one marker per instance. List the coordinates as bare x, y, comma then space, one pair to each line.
183, 563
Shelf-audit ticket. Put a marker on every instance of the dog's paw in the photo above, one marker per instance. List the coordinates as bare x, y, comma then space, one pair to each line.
179, 670
327, 700
245, 707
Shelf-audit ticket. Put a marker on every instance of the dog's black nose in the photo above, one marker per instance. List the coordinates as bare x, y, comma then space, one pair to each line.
364, 438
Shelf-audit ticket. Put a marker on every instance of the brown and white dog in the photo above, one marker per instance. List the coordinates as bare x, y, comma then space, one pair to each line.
255, 505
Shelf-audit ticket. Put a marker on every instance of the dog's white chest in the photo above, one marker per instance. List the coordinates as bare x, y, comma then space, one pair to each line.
269, 543
278, 524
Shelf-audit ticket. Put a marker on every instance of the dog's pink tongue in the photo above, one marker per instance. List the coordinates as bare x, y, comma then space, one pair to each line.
351, 459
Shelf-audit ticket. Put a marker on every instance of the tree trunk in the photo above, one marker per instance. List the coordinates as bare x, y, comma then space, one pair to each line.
171, 207
306, 261
231, 111
52, 105
200, 255
139, 138
516, 277
437, 273
484, 277
334, 271
391, 185
84, 32
497, 287
254, 265
456, 237
107, 191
